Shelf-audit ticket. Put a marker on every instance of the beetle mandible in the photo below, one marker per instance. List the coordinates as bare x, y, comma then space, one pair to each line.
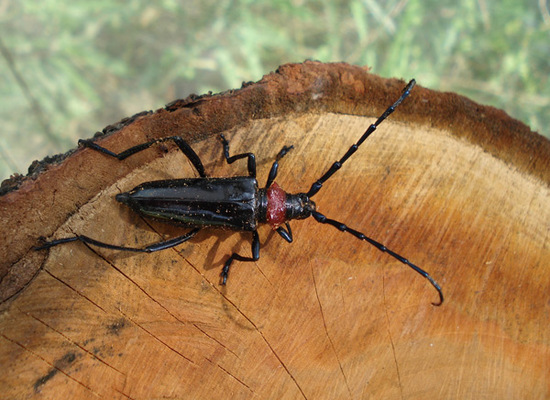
232, 203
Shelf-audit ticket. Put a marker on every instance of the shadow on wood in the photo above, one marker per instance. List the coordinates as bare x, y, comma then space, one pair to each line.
458, 188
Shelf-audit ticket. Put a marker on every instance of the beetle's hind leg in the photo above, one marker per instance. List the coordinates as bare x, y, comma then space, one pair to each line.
162, 245
255, 257
182, 144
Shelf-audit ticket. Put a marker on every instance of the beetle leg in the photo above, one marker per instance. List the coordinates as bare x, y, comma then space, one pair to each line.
255, 257
342, 227
232, 159
162, 245
182, 144
285, 234
274, 168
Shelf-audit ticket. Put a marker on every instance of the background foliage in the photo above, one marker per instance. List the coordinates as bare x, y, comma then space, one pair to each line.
71, 68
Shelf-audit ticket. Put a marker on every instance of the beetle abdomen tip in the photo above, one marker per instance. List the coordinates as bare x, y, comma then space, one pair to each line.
123, 197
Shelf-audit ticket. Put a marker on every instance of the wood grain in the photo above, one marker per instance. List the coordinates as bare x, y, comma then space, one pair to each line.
460, 189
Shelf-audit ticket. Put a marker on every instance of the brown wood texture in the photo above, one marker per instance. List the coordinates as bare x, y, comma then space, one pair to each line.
460, 189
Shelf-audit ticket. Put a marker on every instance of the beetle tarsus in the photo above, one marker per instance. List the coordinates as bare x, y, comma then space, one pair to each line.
225, 273
46, 245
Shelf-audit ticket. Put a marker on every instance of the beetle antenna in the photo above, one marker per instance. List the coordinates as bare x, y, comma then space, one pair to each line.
338, 164
342, 227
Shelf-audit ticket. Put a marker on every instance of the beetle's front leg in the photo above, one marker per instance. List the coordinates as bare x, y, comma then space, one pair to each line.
255, 257
275, 167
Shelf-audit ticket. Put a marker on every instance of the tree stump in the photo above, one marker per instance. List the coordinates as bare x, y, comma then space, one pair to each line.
460, 189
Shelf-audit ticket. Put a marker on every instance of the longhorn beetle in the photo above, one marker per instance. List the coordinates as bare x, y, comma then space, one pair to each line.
233, 203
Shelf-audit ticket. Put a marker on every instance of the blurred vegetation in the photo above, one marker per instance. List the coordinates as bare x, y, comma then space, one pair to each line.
71, 68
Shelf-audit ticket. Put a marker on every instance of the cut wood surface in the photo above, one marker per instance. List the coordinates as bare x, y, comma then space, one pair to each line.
460, 189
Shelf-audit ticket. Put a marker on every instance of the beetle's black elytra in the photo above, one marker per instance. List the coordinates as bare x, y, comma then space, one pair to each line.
235, 203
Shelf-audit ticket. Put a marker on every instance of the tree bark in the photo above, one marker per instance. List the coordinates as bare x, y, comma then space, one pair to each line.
460, 189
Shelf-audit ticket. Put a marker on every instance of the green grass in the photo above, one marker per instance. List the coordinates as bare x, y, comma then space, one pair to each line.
71, 68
